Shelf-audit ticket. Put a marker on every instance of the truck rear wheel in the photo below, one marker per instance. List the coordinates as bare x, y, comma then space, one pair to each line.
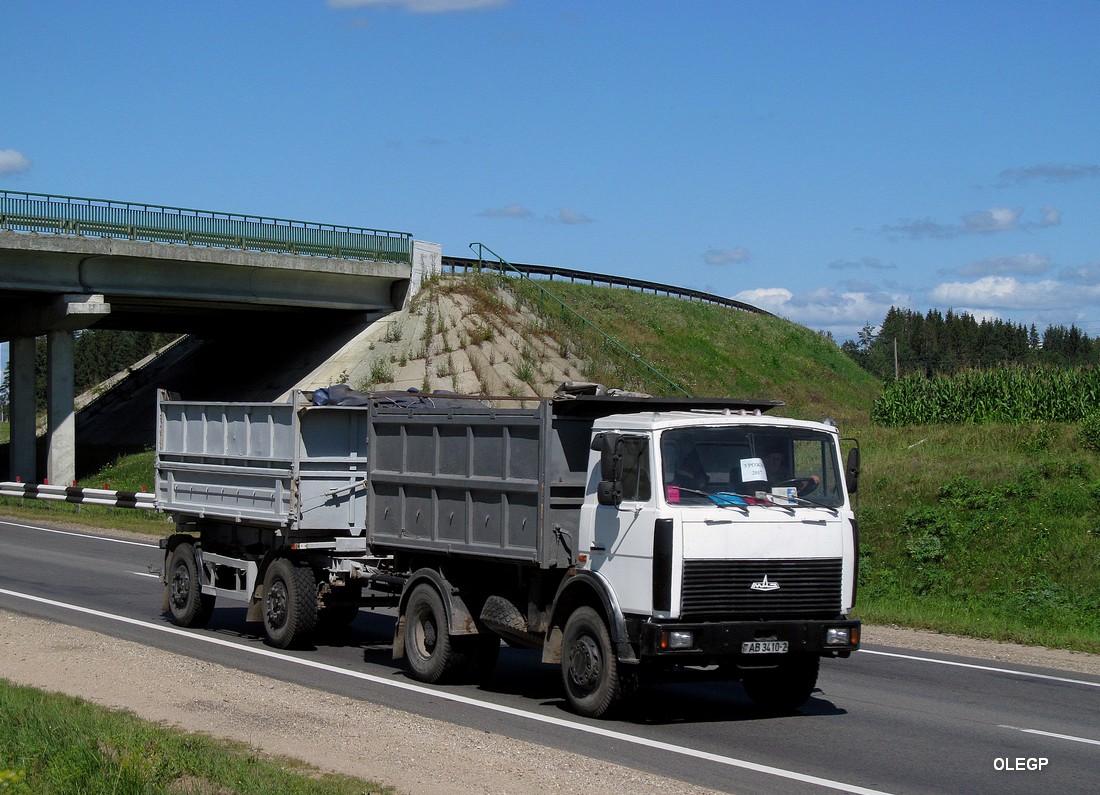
589, 668
289, 603
428, 646
189, 606
783, 688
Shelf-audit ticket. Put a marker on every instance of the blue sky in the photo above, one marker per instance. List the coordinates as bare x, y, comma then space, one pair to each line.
823, 160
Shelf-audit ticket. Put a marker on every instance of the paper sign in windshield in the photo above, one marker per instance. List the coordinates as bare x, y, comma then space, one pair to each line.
752, 469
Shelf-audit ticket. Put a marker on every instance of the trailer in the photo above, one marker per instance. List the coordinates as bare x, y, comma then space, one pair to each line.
624, 537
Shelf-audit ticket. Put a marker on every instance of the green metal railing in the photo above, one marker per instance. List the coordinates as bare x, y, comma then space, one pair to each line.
504, 267
70, 215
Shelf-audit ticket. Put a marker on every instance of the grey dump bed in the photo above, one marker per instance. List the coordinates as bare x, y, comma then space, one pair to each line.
463, 478
430, 473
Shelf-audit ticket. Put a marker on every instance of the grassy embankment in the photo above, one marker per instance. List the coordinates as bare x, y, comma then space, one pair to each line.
55, 744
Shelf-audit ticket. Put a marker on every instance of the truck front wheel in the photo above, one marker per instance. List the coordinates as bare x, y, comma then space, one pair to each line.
189, 606
589, 668
428, 645
289, 603
785, 687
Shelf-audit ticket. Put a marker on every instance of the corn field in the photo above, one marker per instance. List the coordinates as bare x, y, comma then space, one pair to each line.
1010, 395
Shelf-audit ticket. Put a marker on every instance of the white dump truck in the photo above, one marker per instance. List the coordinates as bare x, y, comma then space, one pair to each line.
625, 537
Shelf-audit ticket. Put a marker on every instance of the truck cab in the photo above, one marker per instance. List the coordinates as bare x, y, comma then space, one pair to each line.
728, 539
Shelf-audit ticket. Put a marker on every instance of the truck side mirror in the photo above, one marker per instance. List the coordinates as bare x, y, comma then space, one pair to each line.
852, 473
610, 489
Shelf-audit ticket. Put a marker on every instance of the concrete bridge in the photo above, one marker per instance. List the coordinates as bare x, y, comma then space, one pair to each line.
68, 264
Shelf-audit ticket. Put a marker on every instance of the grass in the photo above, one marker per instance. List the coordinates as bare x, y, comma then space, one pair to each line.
127, 473
707, 350
991, 531
51, 743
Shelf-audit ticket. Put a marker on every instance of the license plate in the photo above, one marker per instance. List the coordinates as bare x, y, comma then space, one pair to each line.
764, 647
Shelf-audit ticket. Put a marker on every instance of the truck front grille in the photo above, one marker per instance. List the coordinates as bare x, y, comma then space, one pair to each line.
762, 588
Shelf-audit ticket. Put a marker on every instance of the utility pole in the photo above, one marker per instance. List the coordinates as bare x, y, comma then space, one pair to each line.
897, 374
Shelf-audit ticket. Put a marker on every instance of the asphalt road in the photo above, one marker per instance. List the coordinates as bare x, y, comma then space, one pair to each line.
884, 720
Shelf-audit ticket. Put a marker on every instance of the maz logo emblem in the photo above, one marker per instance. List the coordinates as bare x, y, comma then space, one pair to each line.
764, 585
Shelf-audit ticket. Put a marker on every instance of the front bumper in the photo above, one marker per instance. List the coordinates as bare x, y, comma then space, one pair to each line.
721, 641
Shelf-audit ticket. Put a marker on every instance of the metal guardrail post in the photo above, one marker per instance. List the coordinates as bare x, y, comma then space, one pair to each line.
570, 311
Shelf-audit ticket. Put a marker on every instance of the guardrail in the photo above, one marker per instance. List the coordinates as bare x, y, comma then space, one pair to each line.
44, 491
71, 215
469, 263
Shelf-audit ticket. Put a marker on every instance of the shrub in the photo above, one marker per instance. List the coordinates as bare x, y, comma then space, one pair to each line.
1088, 431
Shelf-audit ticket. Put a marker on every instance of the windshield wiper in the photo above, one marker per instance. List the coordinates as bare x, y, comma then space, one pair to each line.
802, 501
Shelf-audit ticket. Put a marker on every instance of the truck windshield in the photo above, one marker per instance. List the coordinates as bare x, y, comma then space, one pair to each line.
788, 466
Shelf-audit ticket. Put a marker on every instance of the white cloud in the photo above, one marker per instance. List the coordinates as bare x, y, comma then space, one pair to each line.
773, 299
421, 6
842, 312
568, 216
1007, 292
1085, 274
13, 161
1048, 172
979, 222
1021, 264
507, 211
867, 262
996, 219
726, 256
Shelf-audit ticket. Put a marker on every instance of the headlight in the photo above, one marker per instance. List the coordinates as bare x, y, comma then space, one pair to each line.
677, 640
839, 636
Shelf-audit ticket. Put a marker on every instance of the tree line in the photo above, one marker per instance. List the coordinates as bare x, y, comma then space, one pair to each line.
911, 343
97, 355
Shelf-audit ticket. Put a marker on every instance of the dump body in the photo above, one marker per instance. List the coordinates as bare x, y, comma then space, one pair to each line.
460, 479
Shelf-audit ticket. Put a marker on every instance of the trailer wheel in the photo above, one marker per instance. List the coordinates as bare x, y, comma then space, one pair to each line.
289, 603
428, 646
589, 668
189, 606
785, 687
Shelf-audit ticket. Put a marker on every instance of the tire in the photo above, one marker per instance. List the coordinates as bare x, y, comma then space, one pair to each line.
429, 649
289, 604
589, 668
188, 605
784, 688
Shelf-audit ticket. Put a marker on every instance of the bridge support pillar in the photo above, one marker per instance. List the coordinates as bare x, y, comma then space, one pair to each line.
60, 408
22, 461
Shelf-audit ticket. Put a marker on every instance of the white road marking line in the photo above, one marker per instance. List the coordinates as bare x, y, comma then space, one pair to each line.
440, 694
977, 667
82, 535
1069, 737
144, 574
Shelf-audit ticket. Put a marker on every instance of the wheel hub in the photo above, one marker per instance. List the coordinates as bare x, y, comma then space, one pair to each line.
585, 663
275, 605
181, 586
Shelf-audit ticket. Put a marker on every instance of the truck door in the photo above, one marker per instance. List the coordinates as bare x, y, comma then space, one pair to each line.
622, 541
